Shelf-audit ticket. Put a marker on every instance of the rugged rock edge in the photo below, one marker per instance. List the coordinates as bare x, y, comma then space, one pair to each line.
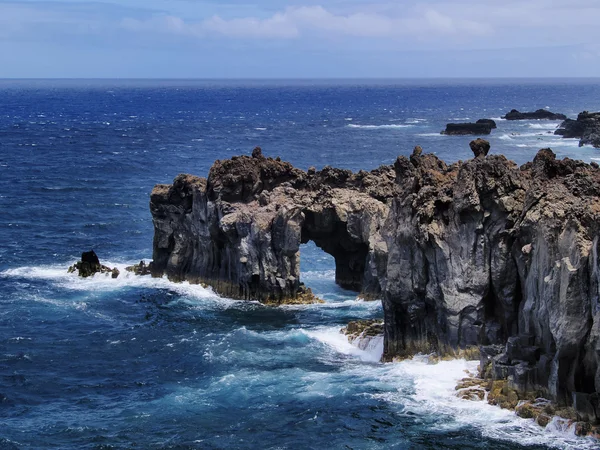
480, 253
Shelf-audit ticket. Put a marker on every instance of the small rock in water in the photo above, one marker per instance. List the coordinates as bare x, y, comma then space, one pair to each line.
140, 269
90, 265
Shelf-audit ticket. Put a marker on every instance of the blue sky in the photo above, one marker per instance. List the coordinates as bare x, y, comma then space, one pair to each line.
299, 39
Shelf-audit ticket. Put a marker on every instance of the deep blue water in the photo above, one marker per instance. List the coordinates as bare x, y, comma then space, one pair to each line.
142, 363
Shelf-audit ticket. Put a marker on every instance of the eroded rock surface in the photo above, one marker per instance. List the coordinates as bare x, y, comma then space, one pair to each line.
480, 253
240, 230
586, 128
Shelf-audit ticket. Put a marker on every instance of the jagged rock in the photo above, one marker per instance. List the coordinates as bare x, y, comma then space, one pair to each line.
540, 114
90, 265
240, 231
586, 128
477, 253
459, 129
140, 269
480, 147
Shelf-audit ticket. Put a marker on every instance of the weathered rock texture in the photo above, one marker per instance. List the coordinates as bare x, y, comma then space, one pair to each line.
540, 114
477, 253
240, 230
586, 128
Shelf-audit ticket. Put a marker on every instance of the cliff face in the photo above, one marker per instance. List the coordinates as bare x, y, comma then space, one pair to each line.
240, 231
477, 253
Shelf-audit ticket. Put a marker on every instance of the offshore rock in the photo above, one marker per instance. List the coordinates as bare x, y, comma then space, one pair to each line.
140, 269
476, 253
90, 265
540, 114
489, 122
586, 128
460, 129
240, 230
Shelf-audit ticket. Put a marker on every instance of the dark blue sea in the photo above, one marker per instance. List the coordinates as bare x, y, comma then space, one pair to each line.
148, 364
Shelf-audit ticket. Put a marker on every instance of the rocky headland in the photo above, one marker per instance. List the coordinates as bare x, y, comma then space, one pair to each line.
586, 128
540, 114
479, 254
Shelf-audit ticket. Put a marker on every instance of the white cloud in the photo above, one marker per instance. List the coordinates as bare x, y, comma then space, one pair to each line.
296, 22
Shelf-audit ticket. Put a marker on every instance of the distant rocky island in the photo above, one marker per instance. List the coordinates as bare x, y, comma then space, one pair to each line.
477, 255
540, 114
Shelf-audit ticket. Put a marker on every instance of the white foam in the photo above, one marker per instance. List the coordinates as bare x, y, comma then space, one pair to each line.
260, 129
105, 283
433, 393
379, 127
332, 337
430, 134
543, 126
414, 121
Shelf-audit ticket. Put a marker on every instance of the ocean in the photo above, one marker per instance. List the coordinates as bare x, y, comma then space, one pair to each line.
145, 363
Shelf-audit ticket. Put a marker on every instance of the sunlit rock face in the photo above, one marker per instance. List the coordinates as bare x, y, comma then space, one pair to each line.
477, 253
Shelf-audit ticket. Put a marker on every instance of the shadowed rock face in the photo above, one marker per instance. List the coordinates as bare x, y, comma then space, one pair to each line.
477, 253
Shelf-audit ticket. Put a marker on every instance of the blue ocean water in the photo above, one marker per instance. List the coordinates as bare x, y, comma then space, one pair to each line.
145, 363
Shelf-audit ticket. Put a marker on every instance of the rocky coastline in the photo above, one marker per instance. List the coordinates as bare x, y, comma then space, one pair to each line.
476, 254
586, 128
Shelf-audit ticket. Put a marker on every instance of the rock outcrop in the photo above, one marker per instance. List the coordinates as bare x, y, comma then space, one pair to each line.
586, 128
240, 230
481, 127
90, 265
480, 253
540, 114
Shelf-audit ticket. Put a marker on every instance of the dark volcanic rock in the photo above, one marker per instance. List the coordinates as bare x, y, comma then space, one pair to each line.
459, 129
540, 114
586, 128
90, 265
140, 269
477, 253
240, 231
489, 122
480, 147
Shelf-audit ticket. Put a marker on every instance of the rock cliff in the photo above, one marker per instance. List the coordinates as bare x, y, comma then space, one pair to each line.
586, 128
480, 253
240, 230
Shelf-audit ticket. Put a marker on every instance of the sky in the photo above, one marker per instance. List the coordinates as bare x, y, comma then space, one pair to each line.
299, 39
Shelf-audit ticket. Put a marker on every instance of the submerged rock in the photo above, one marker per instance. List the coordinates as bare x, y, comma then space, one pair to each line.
540, 114
140, 269
90, 265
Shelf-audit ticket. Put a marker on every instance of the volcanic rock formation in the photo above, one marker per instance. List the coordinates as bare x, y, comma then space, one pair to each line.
476, 253
540, 114
482, 126
586, 128
90, 265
